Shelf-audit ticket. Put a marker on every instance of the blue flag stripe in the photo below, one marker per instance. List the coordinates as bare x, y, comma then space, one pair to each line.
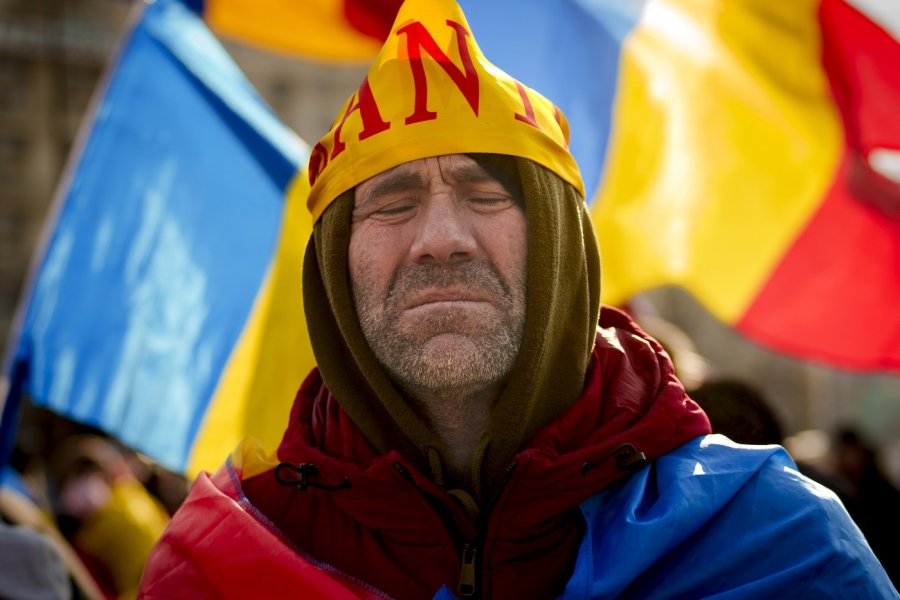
570, 54
162, 241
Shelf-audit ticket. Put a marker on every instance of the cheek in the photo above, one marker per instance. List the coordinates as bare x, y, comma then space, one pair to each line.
356, 259
371, 259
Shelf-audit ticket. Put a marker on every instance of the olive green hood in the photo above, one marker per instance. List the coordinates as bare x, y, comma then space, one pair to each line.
562, 308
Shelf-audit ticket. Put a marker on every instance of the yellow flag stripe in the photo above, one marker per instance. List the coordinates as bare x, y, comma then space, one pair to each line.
272, 357
725, 140
317, 30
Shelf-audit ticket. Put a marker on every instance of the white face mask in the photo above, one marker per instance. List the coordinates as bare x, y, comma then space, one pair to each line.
85, 494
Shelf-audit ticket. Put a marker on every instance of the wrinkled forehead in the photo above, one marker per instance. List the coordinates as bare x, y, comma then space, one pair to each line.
454, 169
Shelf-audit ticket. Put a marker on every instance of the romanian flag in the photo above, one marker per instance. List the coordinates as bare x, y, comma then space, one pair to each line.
167, 293
745, 150
752, 160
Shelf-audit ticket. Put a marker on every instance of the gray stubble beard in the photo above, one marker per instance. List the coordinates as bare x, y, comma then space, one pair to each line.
477, 361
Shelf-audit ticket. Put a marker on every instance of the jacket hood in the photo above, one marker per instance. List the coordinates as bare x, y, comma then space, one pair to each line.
562, 304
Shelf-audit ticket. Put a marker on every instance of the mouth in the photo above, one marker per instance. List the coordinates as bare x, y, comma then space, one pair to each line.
444, 296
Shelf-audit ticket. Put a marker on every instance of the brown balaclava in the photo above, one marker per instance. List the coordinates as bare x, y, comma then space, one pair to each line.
562, 309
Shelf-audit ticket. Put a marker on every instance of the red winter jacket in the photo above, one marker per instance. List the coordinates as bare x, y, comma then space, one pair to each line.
375, 525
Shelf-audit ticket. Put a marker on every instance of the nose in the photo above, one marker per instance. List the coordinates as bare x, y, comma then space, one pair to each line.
444, 234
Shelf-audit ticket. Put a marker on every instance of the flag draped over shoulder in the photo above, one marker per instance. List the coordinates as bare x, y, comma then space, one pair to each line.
745, 150
168, 291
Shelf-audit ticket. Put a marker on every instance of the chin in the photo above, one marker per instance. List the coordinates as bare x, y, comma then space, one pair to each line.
450, 363
452, 327
450, 346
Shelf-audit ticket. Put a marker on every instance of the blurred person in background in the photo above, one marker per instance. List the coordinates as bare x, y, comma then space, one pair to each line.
739, 411
31, 567
107, 513
872, 501
35, 560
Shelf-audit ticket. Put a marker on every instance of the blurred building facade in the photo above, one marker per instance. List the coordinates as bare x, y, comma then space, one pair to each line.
52, 54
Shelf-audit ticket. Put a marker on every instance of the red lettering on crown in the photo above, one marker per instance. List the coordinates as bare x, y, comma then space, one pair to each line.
417, 40
528, 117
368, 112
318, 159
564, 128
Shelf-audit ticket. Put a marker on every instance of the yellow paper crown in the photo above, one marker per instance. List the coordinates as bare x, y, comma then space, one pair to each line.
432, 92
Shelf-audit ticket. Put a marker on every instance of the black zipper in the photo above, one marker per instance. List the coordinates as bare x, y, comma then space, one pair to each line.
467, 571
469, 565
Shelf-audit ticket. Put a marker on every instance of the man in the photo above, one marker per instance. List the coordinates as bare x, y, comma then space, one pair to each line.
469, 430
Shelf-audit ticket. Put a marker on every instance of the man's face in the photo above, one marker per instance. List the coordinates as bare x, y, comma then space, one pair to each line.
437, 260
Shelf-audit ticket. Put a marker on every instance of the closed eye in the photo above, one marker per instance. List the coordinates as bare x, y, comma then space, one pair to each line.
393, 211
492, 201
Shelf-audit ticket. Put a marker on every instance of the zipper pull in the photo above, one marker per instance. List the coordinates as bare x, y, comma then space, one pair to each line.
467, 571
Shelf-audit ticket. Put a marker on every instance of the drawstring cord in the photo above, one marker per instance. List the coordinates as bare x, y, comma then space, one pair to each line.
477, 464
627, 459
434, 462
462, 498
467, 502
303, 472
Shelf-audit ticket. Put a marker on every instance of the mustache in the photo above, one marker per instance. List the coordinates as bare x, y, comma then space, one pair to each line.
479, 275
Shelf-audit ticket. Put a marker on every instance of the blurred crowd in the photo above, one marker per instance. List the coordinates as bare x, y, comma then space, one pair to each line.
79, 512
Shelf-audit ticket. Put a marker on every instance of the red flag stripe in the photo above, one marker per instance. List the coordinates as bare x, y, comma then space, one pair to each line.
835, 296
